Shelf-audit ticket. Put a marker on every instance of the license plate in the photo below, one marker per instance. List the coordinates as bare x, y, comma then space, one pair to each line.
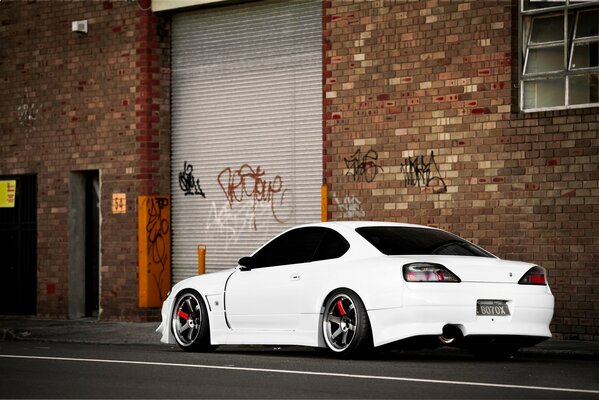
492, 308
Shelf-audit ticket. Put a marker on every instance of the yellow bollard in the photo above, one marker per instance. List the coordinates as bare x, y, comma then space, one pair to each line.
201, 259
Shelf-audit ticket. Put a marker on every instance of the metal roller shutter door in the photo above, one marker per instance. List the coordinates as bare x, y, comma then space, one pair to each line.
246, 128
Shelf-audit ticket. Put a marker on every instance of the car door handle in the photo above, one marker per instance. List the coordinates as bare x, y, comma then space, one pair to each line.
295, 277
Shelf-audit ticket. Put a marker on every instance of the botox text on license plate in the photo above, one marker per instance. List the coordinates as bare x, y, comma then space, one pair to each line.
492, 308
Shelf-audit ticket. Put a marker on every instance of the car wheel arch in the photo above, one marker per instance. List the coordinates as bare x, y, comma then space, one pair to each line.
203, 341
330, 292
348, 322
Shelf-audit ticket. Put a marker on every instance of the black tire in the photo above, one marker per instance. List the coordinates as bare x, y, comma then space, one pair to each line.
189, 322
345, 324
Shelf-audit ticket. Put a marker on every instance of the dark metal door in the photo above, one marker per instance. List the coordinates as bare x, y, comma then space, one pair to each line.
18, 249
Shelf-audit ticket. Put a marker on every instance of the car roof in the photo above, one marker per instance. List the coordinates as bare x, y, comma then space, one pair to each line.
361, 224
348, 230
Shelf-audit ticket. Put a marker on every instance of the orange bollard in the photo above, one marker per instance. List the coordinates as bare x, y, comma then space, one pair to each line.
201, 259
324, 198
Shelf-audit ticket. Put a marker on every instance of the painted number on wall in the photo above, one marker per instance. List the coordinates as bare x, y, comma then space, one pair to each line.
119, 203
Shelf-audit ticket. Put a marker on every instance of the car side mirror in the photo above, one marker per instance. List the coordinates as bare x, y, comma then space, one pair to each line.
246, 263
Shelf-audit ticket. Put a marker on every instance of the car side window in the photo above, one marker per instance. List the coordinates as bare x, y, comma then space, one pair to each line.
333, 245
293, 247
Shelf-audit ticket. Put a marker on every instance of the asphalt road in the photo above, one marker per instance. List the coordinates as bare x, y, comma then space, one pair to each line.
61, 370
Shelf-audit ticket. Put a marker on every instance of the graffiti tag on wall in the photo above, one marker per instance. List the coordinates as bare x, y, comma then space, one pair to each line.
422, 173
247, 183
363, 166
27, 114
351, 207
187, 182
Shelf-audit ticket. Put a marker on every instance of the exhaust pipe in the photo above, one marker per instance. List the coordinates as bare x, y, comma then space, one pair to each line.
450, 334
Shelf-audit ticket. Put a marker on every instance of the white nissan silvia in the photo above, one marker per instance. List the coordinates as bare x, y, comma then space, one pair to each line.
353, 286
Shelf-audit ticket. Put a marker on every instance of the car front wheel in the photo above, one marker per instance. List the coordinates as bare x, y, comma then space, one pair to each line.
345, 324
189, 322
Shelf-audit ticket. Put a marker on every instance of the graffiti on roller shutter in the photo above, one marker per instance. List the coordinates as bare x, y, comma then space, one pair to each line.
188, 183
251, 184
229, 224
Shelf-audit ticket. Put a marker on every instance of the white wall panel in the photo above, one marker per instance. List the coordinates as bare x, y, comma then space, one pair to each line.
247, 90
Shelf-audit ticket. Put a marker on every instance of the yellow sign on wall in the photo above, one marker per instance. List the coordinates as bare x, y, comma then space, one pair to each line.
119, 203
8, 192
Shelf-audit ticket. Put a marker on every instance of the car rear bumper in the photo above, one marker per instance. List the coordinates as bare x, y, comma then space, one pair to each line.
428, 308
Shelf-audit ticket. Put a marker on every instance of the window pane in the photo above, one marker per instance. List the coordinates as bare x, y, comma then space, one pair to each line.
588, 24
545, 60
584, 89
332, 246
537, 4
407, 241
293, 247
545, 93
547, 30
585, 55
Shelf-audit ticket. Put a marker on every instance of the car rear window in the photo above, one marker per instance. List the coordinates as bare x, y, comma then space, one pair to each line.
396, 241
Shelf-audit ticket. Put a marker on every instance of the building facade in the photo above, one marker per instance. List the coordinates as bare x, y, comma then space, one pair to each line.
249, 117
85, 117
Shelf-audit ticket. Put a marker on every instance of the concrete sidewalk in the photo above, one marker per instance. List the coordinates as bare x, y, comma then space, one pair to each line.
93, 331
86, 330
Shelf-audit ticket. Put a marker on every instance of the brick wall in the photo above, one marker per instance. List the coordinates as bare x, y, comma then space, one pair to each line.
420, 126
72, 102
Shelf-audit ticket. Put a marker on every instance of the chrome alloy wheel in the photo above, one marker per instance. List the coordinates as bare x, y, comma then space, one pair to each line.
187, 319
340, 322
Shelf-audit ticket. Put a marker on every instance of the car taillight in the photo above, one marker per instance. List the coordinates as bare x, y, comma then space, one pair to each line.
428, 272
534, 276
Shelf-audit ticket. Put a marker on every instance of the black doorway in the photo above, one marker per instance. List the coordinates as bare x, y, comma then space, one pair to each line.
18, 247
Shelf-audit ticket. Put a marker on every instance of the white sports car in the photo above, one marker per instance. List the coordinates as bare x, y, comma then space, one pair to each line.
352, 286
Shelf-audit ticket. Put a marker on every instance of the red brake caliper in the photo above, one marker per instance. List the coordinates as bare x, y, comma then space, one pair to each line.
340, 307
183, 315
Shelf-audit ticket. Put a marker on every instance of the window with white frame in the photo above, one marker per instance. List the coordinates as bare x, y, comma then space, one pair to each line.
560, 54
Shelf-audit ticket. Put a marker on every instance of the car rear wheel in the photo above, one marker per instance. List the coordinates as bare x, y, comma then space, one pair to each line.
190, 322
345, 324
